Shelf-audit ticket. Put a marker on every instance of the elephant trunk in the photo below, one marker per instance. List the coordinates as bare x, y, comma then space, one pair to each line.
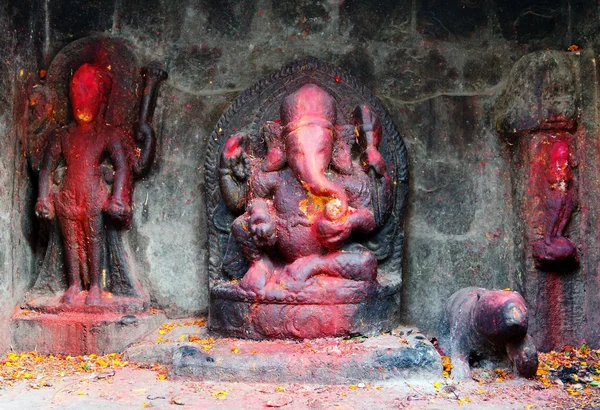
309, 149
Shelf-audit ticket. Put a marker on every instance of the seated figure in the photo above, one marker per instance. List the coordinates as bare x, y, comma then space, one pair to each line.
303, 200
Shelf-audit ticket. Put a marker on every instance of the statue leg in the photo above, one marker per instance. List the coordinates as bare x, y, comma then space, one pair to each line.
261, 266
565, 214
358, 266
72, 234
94, 233
243, 237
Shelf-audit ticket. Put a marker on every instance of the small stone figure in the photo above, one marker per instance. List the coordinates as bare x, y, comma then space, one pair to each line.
302, 203
557, 200
538, 115
491, 324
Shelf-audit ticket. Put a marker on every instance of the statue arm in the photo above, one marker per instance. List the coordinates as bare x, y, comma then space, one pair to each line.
362, 219
153, 75
263, 184
234, 172
118, 206
44, 208
370, 134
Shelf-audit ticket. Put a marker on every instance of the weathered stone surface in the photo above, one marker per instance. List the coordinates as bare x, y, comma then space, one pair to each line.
230, 17
388, 46
527, 21
449, 193
439, 19
16, 217
76, 18
381, 20
483, 71
167, 236
414, 72
307, 16
403, 355
459, 233
542, 90
76, 333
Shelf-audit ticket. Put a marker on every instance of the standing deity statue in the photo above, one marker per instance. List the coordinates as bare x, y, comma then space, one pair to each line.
83, 196
87, 172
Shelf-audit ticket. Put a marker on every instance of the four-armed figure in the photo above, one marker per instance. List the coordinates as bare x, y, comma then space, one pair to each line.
90, 150
304, 199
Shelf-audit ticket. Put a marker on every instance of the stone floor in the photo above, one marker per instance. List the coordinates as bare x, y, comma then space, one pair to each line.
137, 388
567, 379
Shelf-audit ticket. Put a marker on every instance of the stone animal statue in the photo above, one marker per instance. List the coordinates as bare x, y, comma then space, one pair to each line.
489, 324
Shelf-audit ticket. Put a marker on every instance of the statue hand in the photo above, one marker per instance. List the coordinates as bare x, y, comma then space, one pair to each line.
235, 159
44, 209
332, 234
262, 226
118, 209
375, 160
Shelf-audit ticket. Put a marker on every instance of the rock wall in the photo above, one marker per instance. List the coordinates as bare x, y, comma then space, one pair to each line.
17, 226
438, 67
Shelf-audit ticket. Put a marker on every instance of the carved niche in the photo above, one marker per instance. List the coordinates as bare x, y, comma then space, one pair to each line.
538, 114
306, 183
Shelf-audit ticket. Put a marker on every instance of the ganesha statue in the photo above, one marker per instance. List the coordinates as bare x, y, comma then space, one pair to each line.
304, 216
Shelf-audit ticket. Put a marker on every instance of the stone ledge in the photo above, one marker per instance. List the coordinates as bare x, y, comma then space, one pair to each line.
79, 333
330, 361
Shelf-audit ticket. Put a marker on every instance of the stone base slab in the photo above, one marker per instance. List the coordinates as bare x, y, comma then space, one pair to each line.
403, 355
76, 333
368, 311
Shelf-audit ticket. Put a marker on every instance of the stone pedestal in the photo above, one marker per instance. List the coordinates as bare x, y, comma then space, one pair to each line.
85, 330
191, 353
316, 312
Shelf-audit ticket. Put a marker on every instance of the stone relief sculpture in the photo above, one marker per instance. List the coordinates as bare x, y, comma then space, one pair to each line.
538, 118
488, 324
305, 196
539, 107
557, 200
297, 219
87, 171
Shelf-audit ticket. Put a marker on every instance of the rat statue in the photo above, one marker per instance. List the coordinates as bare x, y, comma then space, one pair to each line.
488, 323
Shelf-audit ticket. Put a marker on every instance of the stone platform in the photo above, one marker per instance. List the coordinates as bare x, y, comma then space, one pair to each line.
190, 352
80, 332
328, 307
